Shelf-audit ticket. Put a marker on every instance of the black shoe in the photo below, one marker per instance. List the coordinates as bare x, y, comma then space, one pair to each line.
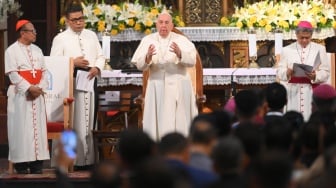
36, 167
21, 168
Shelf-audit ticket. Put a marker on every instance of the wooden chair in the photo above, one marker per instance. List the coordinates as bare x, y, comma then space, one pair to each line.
196, 75
55, 128
113, 109
112, 119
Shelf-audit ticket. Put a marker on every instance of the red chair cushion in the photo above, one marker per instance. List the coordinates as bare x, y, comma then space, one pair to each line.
55, 126
111, 112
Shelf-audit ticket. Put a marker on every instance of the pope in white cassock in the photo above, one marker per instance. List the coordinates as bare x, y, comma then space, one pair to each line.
304, 52
82, 45
170, 102
26, 112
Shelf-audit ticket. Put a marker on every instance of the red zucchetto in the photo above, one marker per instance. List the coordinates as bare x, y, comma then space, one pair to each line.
20, 23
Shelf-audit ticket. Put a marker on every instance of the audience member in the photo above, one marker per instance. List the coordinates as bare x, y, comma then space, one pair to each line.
227, 157
276, 97
324, 98
250, 136
203, 136
106, 174
223, 122
134, 147
174, 147
155, 172
272, 169
278, 134
247, 104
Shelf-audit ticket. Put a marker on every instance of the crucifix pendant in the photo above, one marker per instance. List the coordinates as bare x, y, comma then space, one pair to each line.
33, 72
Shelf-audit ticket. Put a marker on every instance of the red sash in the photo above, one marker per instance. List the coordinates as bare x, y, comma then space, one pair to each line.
301, 80
28, 75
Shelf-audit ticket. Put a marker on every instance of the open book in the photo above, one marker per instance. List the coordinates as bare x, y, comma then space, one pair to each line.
300, 69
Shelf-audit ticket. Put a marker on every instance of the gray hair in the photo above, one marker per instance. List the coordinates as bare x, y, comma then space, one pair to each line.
304, 30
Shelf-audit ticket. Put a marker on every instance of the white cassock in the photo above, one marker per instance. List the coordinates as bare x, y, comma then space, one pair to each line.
71, 44
170, 102
300, 94
27, 129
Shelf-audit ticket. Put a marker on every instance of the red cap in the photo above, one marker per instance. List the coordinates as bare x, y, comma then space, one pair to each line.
20, 23
324, 91
305, 24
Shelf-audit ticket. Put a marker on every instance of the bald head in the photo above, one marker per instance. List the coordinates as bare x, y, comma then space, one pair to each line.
164, 24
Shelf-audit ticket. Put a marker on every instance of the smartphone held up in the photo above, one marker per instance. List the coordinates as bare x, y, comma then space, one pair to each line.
69, 142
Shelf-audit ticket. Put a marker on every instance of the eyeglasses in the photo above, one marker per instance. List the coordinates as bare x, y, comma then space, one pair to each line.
30, 30
75, 20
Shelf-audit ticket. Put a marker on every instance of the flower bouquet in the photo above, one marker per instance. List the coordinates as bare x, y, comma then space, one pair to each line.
116, 18
271, 16
9, 7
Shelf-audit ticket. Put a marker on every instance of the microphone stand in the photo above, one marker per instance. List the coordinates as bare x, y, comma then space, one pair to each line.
233, 84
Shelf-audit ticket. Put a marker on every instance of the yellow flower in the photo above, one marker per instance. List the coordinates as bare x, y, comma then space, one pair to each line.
116, 7
262, 22
249, 24
315, 10
323, 20
251, 11
121, 26
130, 22
137, 27
62, 20
334, 24
283, 24
101, 25
148, 31
224, 21
154, 11
97, 11
272, 12
296, 22
181, 24
239, 25
268, 28
148, 23
114, 32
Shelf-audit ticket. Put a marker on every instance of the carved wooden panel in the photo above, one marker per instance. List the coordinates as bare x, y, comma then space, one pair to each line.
239, 54
202, 12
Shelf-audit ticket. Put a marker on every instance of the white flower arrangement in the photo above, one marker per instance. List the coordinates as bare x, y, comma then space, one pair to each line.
282, 15
115, 18
9, 7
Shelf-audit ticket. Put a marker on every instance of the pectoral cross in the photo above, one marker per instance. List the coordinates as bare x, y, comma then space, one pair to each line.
33, 72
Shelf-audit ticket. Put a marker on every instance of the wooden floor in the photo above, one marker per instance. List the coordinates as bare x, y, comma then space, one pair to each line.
47, 179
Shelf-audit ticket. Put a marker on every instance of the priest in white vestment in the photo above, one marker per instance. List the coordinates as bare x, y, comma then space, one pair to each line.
170, 102
303, 52
26, 112
82, 45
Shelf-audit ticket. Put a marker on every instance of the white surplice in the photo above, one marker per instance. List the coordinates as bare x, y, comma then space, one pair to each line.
300, 94
27, 129
71, 44
170, 103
